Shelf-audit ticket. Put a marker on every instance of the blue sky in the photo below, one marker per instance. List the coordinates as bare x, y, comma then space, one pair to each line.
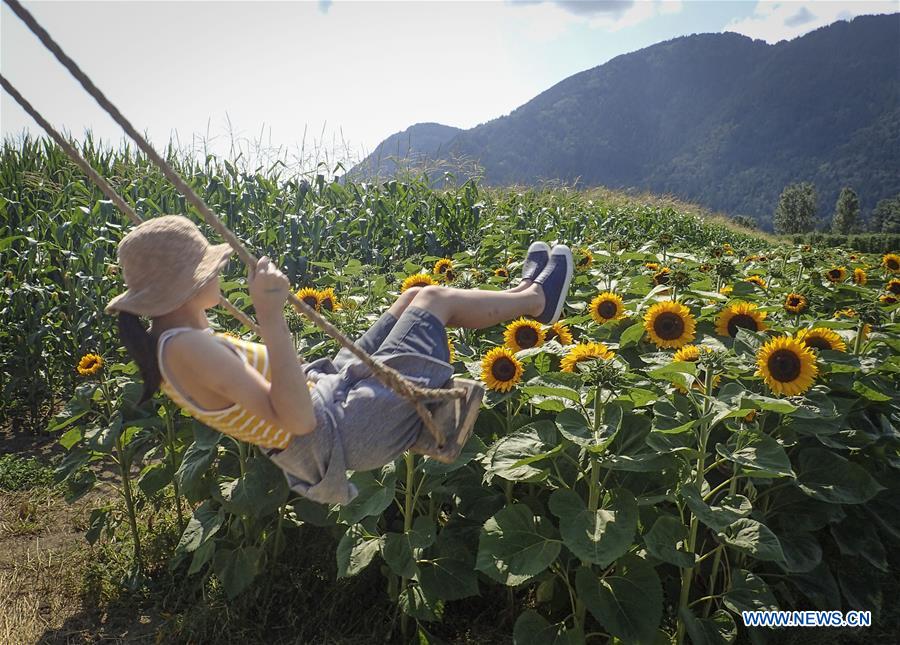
328, 81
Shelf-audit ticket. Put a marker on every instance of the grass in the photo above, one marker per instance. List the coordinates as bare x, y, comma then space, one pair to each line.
23, 473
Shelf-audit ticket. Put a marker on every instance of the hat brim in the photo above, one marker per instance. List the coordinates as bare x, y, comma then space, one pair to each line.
157, 300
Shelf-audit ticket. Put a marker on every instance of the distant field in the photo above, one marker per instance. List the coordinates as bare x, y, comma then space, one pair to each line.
711, 427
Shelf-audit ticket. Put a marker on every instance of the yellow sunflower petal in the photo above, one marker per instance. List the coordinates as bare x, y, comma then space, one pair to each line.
523, 334
417, 280
501, 370
585, 352
606, 307
787, 366
822, 338
739, 315
669, 324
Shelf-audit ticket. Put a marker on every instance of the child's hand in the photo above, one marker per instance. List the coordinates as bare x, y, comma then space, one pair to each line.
269, 288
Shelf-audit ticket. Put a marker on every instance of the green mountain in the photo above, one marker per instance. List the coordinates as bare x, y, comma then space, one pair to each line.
717, 119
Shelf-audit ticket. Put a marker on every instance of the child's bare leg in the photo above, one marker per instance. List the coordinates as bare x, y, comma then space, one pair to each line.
476, 308
403, 301
523, 284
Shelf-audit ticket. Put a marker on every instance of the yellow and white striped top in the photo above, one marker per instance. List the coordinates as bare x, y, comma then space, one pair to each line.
234, 420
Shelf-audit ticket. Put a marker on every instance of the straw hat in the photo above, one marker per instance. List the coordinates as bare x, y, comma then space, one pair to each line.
165, 261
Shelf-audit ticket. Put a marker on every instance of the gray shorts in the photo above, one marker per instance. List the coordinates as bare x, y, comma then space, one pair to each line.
378, 425
362, 423
417, 330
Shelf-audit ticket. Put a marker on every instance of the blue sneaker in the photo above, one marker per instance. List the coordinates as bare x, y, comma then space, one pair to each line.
535, 260
555, 279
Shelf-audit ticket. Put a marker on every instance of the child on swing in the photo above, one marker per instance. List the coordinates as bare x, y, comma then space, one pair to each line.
345, 419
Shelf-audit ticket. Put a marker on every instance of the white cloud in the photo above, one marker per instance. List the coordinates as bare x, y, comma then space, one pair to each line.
546, 20
773, 21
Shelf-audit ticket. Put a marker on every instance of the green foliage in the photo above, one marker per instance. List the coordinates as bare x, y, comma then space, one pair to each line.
643, 499
865, 243
846, 213
886, 216
796, 210
820, 108
21, 473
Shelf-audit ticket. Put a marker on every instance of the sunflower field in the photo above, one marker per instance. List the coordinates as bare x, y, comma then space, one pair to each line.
712, 427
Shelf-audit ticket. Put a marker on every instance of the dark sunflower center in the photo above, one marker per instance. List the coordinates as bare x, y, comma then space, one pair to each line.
311, 301
741, 321
817, 341
835, 274
503, 369
661, 278
443, 268
894, 287
668, 325
449, 275
784, 365
89, 363
327, 304
794, 301
526, 337
607, 309
893, 264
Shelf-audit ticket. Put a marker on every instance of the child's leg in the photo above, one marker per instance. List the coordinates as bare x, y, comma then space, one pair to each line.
476, 308
375, 335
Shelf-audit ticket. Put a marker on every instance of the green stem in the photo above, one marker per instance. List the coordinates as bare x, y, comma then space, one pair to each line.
718, 557
593, 490
170, 440
687, 573
857, 346
715, 490
408, 507
124, 468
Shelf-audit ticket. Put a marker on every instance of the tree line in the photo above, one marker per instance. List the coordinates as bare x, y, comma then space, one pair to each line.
797, 212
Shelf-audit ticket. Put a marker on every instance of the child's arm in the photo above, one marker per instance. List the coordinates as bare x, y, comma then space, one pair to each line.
215, 377
288, 393
202, 364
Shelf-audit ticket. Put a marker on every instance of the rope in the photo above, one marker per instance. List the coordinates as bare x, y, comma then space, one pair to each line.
104, 186
389, 376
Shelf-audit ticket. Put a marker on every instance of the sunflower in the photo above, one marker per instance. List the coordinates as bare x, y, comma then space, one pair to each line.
309, 296
585, 352
845, 313
449, 276
691, 354
607, 306
452, 349
822, 338
653, 266
859, 277
561, 333
417, 280
796, 303
500, 370
891, 262
893, 286
836, 274
740, 315
90, 364
662, 276
585, 259
726, 290
327, 300
523, 334
757, 280
787, 365
501, 272
442, 266
669, 324
888, 299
